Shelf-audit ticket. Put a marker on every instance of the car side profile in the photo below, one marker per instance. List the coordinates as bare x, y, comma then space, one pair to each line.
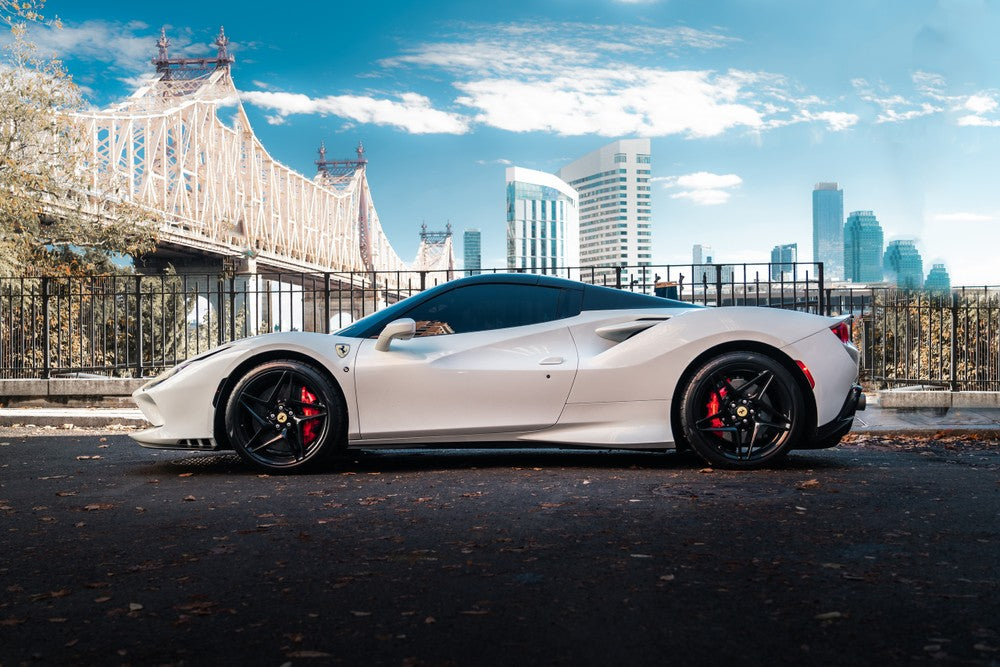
521, 359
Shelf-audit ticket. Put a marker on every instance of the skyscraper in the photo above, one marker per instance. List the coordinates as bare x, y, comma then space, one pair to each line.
783, 258
472, 248
828, 229
701, 254
863, 243
903, 265
542, 222
938, 279
615, 215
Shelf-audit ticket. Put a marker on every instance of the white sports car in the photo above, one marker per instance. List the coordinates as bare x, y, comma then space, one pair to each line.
520, 359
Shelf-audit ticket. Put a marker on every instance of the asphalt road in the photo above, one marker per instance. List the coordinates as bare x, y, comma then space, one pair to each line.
882, 551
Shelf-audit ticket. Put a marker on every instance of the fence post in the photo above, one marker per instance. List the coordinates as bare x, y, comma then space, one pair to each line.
819, 280
954, 341
138, 324
718, 284
423, 280
326, 302
220, 283
618, 277
232, 307
46, 336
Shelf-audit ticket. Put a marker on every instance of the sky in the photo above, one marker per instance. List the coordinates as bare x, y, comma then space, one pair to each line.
748, 104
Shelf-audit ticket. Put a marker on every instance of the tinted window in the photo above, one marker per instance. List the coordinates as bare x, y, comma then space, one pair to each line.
486, 307
606, 298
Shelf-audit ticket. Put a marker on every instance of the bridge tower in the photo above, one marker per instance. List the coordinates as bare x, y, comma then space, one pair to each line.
436, 252
340, 174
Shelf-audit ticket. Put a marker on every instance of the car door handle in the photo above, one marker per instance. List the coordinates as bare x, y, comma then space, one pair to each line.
551, 361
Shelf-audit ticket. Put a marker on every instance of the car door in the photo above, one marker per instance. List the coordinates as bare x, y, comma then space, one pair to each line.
486, 358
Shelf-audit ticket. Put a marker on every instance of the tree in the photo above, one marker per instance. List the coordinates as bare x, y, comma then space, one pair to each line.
52, 221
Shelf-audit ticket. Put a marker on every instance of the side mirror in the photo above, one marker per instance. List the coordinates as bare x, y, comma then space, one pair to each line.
403, 329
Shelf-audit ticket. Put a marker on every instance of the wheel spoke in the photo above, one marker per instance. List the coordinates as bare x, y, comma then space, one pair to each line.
295, 440
719, 429
307, 406
766, 384
781, 427
273, 396
245, 401
731, 391
701, 421
264, 445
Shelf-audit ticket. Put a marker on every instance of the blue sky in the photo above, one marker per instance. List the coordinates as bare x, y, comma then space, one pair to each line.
748, 105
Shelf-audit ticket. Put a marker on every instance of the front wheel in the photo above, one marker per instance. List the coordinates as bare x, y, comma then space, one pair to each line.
283, 416
742, 410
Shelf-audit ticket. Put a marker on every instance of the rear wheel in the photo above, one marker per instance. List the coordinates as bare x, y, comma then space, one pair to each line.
283, 416
742, 410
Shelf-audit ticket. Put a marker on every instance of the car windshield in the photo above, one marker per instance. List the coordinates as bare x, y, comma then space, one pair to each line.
394, 311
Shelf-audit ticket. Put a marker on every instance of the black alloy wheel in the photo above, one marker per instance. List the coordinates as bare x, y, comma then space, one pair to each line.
742, 410
284, 416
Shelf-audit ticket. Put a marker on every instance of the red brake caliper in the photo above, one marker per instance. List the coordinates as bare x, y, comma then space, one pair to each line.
715, 405
309, 428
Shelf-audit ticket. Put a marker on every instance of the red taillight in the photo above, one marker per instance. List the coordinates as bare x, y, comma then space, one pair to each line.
842, 330
809, 376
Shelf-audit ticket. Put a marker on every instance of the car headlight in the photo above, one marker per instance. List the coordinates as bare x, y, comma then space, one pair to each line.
170, 372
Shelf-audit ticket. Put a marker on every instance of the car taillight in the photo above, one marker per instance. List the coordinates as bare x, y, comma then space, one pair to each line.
809, 376
842, 330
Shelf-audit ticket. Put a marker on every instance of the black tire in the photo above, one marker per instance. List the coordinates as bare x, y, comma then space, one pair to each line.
284, 416
742, 410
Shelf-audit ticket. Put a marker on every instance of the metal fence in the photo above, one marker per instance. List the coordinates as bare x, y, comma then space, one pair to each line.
137, 325
944, 339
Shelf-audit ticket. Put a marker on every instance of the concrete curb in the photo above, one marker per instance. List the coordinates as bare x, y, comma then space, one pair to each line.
77, 417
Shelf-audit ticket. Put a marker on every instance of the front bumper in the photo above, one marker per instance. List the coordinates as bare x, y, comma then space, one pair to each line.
829, 434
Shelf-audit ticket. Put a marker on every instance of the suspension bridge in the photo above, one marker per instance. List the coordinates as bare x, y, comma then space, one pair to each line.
215, 191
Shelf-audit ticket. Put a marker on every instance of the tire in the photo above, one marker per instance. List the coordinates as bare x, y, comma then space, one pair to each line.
284, 416
742, 410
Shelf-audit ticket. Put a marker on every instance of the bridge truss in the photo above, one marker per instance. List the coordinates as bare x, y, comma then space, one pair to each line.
214, 187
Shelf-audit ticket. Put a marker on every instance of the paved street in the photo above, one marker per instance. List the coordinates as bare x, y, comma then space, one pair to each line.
881, 551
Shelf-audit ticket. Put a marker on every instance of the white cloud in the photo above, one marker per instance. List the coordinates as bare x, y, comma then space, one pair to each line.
961, 216
608, 80
612, 103
702, 187
500, 160
980, 104
127, 46
412, 112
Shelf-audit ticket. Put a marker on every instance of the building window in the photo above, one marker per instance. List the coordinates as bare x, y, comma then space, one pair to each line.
642, 159
621, 157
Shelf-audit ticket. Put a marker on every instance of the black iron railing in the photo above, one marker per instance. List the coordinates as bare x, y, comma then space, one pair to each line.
137, 325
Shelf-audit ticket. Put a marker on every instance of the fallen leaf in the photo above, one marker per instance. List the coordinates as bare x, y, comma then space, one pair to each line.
185, 474
706, 470
189, 498
808, 484
93, 507
666, 577
828, 616
361, 613
103, 598
428, 620
134, 606
63, 494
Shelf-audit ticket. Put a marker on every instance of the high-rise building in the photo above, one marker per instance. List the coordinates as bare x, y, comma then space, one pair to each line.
828, 229
938, 279
615, 213
701, 254
472, 248
542, 222
783, 258
863, 244
903, 265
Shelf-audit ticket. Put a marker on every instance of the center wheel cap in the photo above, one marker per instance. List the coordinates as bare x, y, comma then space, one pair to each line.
282, 417
740, 411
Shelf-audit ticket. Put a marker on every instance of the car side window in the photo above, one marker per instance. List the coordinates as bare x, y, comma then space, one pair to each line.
486, 307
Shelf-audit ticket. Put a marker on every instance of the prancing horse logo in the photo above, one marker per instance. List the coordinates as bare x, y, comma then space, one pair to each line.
342, 350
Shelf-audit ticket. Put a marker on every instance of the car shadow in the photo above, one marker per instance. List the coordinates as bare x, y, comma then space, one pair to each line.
430, 459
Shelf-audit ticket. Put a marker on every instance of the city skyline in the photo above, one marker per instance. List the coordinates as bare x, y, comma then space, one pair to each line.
746, 106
